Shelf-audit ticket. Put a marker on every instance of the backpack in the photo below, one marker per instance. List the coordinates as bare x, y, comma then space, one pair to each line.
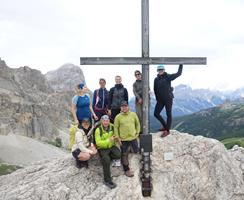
72, 130
100, 131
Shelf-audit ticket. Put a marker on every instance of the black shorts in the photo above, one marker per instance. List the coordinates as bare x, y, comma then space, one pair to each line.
76, 153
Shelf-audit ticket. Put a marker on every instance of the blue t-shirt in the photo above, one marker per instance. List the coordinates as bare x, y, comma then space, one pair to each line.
82, 105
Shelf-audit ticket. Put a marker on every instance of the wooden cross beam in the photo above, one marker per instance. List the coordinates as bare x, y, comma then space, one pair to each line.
145, 61
142, 60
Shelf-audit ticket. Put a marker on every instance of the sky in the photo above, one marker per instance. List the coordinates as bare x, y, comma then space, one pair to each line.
46, 34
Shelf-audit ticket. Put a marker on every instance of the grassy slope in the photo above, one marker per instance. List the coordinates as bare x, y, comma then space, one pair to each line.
230, 142
7, 169
220, 122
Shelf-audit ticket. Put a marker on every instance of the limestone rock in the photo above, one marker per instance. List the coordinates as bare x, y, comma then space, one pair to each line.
65, 78
22, 151
29, 106
201, 169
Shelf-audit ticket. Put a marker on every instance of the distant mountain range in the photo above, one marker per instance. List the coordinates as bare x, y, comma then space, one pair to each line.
221, 122
188, 101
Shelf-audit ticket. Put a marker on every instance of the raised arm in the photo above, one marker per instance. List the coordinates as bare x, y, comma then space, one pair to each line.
174, 76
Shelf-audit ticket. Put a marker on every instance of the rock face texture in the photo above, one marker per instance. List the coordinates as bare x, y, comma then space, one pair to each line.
30, 106
200, 169
22, 151
65, 78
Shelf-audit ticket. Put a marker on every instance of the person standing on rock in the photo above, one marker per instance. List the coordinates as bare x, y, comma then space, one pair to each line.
81, 107
137, 90
117, 94
164, 96
82, 150
107, 149
127, 128
100, 99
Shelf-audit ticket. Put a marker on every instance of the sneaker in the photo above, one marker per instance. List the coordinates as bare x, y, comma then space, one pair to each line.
129, 173
110, 184
116, 163
113, 163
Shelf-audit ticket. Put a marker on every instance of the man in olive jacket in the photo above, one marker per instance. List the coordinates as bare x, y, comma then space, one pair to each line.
127, 128
106, 145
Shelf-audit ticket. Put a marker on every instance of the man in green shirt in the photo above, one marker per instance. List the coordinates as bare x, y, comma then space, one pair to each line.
106, 145
127, 128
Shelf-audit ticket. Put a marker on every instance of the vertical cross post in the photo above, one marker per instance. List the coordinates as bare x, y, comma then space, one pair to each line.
146, 161
145, 67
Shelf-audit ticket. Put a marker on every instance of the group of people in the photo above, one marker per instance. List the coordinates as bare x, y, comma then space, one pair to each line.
107, 126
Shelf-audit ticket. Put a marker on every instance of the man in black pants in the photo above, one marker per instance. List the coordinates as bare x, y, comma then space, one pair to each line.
106, 145
164, 96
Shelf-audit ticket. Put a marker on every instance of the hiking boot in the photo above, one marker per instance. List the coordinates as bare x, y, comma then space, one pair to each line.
110, 184
129, 173
165, 133
80, 164
85, 163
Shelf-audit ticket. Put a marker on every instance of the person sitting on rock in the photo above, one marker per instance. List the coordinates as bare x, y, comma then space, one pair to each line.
127, 128
82, 149
107, 149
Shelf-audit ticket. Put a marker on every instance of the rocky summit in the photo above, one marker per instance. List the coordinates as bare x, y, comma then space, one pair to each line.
30, 106
198, 169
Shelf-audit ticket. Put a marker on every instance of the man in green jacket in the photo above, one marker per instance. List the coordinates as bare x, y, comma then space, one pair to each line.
127, 128
106, 145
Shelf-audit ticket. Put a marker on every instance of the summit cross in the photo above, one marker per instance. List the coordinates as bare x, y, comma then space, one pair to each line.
145, 60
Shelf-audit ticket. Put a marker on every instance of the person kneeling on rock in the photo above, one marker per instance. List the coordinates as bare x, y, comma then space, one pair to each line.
82, 149
107, 149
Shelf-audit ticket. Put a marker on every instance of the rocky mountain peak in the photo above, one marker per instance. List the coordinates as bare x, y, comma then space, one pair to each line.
60, 79
200, 168
31, 80
2, 63
29, 106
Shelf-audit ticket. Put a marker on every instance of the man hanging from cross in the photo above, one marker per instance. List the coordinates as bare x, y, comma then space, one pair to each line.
164, 97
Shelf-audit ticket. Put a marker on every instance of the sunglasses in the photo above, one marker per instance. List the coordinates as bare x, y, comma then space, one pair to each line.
137, 74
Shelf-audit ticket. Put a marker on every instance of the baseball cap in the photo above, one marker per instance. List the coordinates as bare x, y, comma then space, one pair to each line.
85, 120
124, 103
105, 117
160, 67
81, 85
